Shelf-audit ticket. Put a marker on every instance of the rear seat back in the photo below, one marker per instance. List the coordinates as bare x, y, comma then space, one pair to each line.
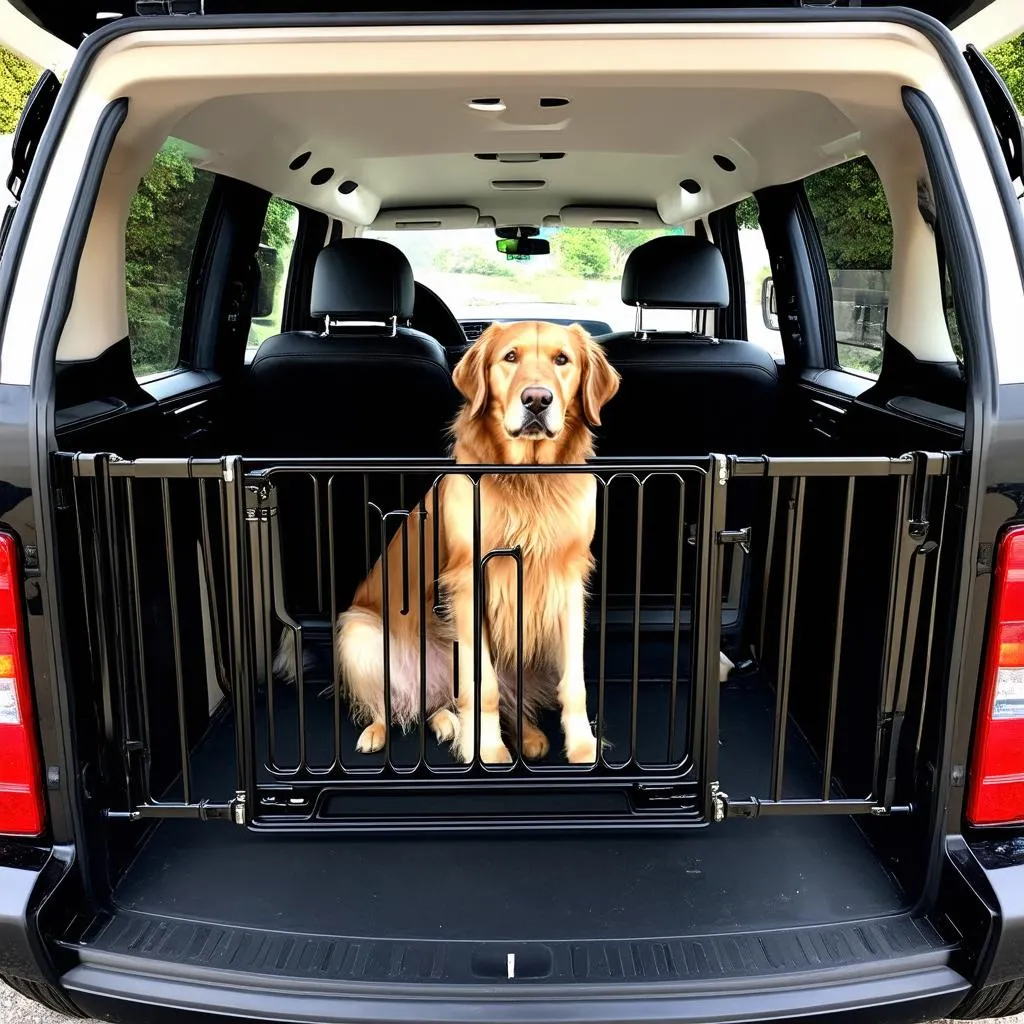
682, 394
368, 386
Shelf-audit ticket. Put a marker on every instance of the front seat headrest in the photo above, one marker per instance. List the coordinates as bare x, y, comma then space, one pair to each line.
676, 272
362, 279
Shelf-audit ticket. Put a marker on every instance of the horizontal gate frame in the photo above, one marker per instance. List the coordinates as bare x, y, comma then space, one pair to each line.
687, 795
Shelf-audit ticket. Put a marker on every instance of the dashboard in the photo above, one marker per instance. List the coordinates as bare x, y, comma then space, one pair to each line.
474, 328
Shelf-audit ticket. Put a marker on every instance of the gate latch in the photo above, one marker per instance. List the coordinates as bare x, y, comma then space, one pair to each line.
741, 537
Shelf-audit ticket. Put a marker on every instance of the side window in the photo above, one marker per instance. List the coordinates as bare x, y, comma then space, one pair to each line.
163, 225
273, 258
853, 221
756, 267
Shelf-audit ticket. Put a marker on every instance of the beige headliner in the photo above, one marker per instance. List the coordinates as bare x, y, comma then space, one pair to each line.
386, 107
402, 130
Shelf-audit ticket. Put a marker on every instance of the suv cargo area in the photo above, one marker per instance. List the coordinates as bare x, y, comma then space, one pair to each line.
286, 268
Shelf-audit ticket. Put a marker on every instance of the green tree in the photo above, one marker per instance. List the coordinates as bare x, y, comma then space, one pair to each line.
163, 223
583, 252
1008, 59
17, 77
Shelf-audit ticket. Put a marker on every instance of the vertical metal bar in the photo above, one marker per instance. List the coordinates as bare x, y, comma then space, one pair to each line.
519, 649
233, 473
423, 627
791, 573
366, 522
211, 579
319, 544
635, 697
769, 551
706, 634
179, 679
837, 646
335, 664
386, 635
266, 586
404, 526
105, 589
902, 553
676, 612
436, 531
477, 621
931, 621
603, 622
136, 601
90, 595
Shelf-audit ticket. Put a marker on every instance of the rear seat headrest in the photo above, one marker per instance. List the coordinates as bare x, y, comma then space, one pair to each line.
676, 272
362, 279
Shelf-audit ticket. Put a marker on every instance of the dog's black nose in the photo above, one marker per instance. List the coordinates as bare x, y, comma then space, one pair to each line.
537, 399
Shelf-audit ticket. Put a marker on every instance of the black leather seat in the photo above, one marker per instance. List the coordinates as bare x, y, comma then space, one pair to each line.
368, 386
682, 394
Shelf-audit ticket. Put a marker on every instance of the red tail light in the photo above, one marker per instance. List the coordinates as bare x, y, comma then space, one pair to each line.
21, 795
996, 793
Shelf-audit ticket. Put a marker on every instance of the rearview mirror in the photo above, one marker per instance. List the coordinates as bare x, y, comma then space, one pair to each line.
769, 309
266, 288
523, 248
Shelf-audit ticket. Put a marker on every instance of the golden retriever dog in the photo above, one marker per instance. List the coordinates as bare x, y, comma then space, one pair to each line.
532, 391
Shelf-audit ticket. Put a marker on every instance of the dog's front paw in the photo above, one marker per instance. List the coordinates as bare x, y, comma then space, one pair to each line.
581, 750
444, 725
372, 738
535, 743
495, 754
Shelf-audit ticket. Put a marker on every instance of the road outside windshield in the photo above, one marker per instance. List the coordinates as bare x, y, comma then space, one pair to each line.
579, 280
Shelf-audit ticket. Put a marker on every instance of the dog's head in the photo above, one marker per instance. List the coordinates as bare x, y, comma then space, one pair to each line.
534, 378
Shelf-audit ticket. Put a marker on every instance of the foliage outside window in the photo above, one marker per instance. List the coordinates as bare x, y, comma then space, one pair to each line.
17, 77
853, 222
163, 225
274, 257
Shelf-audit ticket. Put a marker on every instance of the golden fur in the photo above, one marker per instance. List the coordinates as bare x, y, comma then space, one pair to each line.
549, 517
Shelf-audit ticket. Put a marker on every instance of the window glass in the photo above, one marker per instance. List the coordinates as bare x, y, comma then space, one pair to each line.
163, 225
274, 258
852, 216
756, 267
578, 280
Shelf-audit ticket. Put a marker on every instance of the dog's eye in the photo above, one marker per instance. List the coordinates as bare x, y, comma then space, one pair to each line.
510, 357
561, 359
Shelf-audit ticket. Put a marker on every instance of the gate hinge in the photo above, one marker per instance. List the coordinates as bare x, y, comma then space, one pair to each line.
238, 808
741, 537
260, 504
144, 8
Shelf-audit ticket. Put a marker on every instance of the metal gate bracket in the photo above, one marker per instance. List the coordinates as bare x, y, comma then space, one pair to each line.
238, 808
719, 802
741, 537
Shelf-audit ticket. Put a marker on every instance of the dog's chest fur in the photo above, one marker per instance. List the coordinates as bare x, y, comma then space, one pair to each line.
549, 519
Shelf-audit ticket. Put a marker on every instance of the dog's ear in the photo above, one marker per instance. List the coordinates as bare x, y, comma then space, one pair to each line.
470, 373
600, 380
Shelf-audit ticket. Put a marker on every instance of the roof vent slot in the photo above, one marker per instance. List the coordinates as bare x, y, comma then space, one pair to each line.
518, 184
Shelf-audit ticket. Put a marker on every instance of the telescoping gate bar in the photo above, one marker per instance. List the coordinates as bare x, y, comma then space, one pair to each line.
819, 576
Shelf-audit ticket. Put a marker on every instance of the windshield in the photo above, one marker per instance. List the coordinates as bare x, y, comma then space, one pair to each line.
578, 280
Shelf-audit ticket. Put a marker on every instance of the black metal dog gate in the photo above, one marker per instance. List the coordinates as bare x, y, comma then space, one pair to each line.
821, 575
